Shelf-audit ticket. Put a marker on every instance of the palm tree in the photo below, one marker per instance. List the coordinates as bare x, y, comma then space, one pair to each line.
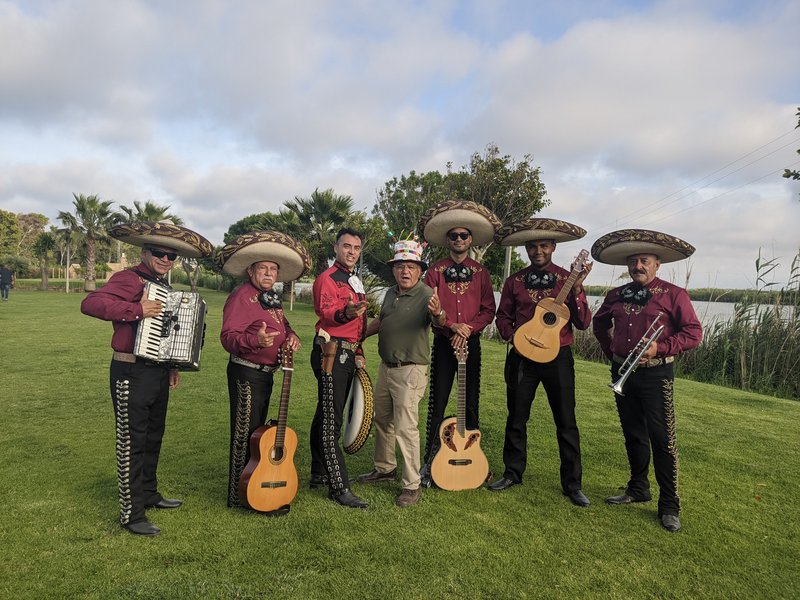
149, 212
43, 247
316, 221
91, 219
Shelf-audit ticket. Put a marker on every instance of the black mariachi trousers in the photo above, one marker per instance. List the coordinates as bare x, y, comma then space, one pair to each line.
140, 393
444, 369
327, 458
249, 391
523, 377
647, 415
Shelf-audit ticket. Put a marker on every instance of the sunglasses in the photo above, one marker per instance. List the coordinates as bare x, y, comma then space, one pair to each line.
161, 254
454, 236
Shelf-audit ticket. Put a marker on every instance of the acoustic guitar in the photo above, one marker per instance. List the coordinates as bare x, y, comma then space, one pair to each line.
460, 464
539, 339
269, 481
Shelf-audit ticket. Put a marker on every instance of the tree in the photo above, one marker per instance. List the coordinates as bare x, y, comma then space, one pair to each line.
149, 212
91, 220
794, 174
258, 222
43, 248
31, 226
10, 233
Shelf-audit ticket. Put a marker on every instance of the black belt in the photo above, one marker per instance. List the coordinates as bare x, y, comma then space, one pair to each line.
403, 363
653, 362
252, 365
342, 343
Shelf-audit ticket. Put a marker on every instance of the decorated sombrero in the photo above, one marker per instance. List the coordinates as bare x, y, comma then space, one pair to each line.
440, 219
614, 248
163, 233
256, 246
531, 230
408, 250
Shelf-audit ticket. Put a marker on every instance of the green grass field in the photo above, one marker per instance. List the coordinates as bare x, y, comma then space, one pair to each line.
739, 461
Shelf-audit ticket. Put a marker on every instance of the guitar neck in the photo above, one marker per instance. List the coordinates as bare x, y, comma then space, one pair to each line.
283, 410
461, 414
562, 295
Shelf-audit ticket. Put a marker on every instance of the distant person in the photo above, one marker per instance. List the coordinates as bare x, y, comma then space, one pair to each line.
521, 294
646, 406
7, 280
465, 291
341, 304
409, 308
140, 388
254, 327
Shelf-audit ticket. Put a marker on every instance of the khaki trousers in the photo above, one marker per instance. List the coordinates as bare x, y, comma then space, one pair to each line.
397, 396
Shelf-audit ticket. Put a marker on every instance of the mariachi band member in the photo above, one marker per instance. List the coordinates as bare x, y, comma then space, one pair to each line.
140, 388
467, 297
341, 304
521, 293
646, 406
254, 328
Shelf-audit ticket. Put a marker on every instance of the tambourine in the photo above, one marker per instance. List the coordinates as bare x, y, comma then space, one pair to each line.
358, 413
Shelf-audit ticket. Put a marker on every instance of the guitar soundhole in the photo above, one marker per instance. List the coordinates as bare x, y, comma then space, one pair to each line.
473, 439
447, 437
277, 455
550, 318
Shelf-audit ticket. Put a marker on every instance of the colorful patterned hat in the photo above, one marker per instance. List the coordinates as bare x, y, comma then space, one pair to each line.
163, 233
408, 250
614, 248
439, 220
256, 246
531, 230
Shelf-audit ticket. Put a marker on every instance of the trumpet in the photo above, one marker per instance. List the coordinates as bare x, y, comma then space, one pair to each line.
635, 355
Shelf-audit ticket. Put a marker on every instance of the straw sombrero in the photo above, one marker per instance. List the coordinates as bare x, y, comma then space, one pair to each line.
438, 220
531, 230
289, 254
163, 233
614, 248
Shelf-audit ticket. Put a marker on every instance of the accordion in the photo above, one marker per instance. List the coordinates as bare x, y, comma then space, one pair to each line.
174, 337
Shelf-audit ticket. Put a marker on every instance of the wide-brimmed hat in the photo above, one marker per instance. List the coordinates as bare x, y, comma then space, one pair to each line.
408, 250
439, 219
256, 246
186, 242
531, 230
614, 248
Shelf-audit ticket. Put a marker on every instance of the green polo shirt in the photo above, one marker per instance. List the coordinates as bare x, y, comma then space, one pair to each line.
405, 323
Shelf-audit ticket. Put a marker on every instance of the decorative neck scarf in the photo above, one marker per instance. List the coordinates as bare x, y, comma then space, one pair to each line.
635, 293
540, 280
457, 274
269, 299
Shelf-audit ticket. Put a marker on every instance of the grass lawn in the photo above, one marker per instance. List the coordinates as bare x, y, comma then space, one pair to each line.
739, 461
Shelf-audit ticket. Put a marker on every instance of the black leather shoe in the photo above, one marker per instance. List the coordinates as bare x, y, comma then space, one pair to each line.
502, 484
317, 481
165, 503
578, 498
425, 479
347, 498
142, 528
671, 523
625, 499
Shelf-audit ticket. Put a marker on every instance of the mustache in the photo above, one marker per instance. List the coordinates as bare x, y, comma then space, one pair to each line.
639, 272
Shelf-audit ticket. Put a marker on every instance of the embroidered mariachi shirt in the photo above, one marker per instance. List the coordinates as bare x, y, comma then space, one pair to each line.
332, 291
630, 312
119, 301
245, 309
465, 292
522, 292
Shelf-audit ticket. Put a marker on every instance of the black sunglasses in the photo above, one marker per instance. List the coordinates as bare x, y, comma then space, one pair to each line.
162, 254
454, 236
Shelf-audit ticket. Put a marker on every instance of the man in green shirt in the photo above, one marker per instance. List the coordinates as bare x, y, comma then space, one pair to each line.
408, 310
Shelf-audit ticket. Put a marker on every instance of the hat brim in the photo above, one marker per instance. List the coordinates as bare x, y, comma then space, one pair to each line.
184, 241
422, 264
614, 248
531, 230
257, 246
440, 219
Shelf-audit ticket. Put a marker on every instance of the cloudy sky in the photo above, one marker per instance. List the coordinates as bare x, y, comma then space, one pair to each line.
677, 116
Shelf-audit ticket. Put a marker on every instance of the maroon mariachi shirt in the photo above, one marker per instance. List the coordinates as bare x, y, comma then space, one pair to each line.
242, 317
118, 301
631, 314
522, 292
332, 291
465, 292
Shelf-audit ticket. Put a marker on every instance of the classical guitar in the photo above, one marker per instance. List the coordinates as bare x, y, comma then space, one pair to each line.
460, 464
540, 338
269, 481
